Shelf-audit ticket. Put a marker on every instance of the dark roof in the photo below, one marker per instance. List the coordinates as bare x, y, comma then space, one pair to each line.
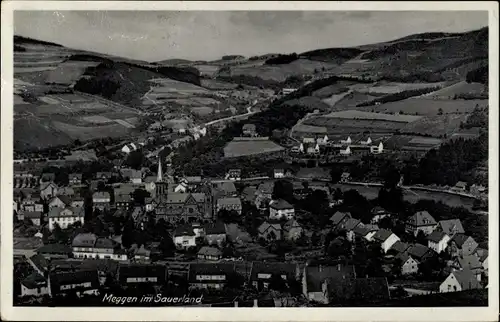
84, 240
418, 251
351, 223
39, 262
436, 236
217, 228
378, 210
382, 235
451, 226
363, 230
266, 224
288, 269
280, 204
422, 218
209, 269
66, 278
467, 279
105, 243
54, 249
101, 265
400, 246
315, 276
460, 239
141, 270
371, 289
34, 280
209, 251
469, 262
32, 214
337, 217
185, 230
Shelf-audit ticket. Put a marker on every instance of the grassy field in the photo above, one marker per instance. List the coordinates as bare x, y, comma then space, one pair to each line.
351, 100
392, 87
238, 148
69, 72
459, 88
310, 102
436, 125
202, 110
213, 84
360, 115
338, 88
428, 106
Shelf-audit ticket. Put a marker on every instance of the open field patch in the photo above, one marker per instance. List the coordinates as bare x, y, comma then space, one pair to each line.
460, 88
217, 84
170, 85
124, 123
335, 98
361, 115
334, 89
351, 100
48, 100
239, 148
73, 98
202, 110
339, 125
208, 70
91, 132
18, 100
430, 107
310, 102
310, 129
86, 155
438, 125
69, 72
392, 87
96, 119
22, 70
30, 133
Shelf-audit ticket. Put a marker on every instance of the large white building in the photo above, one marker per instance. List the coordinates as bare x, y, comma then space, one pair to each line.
281, 209
90, 246
65, 217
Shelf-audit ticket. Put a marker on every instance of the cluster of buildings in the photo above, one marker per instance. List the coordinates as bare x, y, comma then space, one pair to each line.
323, 145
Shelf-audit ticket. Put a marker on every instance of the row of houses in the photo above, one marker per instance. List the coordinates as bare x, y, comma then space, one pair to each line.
322, 145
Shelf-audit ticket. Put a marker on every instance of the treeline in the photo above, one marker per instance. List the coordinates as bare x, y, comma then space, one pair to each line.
479, 75
409, 45
332, 54
282, 59
250, 81
478, 118
19, 48
232, 57
398, 96
450, 163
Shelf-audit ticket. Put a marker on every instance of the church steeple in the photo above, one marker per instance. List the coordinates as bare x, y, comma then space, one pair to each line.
159, 177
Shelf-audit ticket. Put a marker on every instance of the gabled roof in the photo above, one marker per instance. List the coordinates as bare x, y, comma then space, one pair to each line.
378, 210
280, 204
422, 218
292, 223
75, 176
339, 216
39, 262
469, 262
418, 251
288, 269
267, 224
351, 223
363, 230
141, 270
451, 226
466, 279
404, 257
32, 214
105, 243
75, 212
84, 240
482, 254
382, 235
209, 251
101, 195
54, 249
400, 246
436, 236
209, 269
64, 199
34, 280
184, 230
461, 184
266, 187
226, 186
75, 277
460, 239
230, 201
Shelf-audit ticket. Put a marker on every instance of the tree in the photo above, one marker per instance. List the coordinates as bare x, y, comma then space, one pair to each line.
167, 246
59, 235
140, 196
283, 189
440, 111
128, 236
335, 174
135, 159
277, 283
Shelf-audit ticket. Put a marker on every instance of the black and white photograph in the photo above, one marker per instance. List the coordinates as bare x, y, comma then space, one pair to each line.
251, 158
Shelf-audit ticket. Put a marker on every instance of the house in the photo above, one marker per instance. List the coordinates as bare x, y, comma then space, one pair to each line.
345, 177
450, 227
287, 91
224, 189
462, 245
366, 232
34, 216
234, 174
59, 201
459, 281
80, 281
356, 290
34, 285
347, 151
348, 226
314, 278
101, 200
183, 207
47, 177
438, 241
184, 237
250, 130
469, 262
292, 230
420, 252
377, 149
378, 214
264, 194
281, 209
386, 238
133, 176
339, 218
460, 186
75, 178
39, 263
142, 254
209, 253
347, 141
420, 221
367, 142
65, 217
87, 246
278, 173
48, 190
181, 187
140, 274
478, 190
229, 204
54, 251
323, 140
30, 203
105, 175
150, 204
408, 264
128, 148
124, 201
210, 275
149, 183
215, 234
482, 255
262, 272
270, 230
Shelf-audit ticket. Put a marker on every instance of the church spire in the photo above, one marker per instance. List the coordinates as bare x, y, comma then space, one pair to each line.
159, 177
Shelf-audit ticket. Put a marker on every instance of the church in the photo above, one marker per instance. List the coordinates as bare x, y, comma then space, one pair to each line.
179, 207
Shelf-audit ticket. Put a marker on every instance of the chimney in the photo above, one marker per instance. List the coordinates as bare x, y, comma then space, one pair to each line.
255, 303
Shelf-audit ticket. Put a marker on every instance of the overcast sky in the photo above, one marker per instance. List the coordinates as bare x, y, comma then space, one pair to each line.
207, 35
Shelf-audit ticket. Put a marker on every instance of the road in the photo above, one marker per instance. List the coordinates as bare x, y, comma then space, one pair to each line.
234, 117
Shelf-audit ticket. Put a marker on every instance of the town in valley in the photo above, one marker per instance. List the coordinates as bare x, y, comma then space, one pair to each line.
334, 177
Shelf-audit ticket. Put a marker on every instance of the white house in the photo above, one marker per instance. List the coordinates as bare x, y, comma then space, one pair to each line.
347, 151
281, 209
438, 241
184, 237
101, 199
386, 238
34, 285
308, 140
374, 149
181, 187
87, 245
313, 149
459, 281
127, 148
279, 173
65, 217
348, 141
48, 190
323, 140
287, 91
367, 142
